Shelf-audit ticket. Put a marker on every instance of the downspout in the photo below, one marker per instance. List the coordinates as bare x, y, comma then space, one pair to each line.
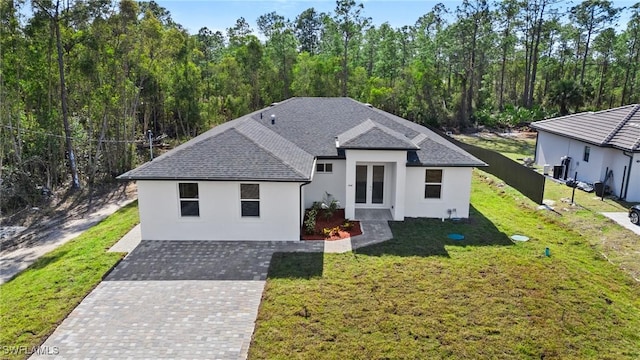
301, 212
535, 151
626, 187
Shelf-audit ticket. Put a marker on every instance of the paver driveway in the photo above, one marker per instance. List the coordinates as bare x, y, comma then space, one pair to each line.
173, 299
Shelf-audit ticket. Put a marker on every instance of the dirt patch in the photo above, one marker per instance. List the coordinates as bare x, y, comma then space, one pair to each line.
333, 228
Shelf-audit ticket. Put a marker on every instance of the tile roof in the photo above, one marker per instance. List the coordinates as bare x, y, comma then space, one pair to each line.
618, 127
255, 148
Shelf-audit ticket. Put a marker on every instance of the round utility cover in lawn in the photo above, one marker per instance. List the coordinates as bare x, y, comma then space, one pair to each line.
519, 238
456, 236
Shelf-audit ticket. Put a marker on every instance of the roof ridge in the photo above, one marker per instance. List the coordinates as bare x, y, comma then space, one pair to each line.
622, 123
391, 132
263, 129
369, 125
356, 131
419, 138
636, 146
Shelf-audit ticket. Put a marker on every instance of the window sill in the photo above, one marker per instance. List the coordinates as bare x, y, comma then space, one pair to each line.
250, 218
190, 219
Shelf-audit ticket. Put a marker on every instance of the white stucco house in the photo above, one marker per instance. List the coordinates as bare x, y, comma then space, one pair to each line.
598, 146
253, 177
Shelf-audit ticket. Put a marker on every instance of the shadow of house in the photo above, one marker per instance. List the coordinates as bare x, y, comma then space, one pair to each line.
218, 260
296, 265
428, 237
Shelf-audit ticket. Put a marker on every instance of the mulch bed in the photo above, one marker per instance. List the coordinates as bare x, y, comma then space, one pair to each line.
336, 220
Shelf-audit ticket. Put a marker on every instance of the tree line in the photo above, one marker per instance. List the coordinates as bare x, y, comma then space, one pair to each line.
84, 83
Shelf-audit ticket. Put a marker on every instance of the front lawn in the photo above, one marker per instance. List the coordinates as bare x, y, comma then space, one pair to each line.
423, 296
609, 239
35, 302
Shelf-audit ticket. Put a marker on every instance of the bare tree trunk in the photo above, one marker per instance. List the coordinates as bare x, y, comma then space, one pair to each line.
63, 99
631, 66
527, 66
603, 74
345, 70
470, 78
586, 47
503, 67
535, 57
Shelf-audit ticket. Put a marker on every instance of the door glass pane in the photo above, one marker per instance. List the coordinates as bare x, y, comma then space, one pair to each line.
361, 184
377, 191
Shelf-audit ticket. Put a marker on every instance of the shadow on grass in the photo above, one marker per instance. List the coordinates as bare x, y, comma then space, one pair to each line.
41, 263
428, 237
296, 265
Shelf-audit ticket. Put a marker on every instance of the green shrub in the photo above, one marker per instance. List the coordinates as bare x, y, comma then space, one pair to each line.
310, 221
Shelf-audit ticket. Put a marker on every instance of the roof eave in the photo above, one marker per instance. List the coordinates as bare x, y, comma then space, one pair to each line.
378, 148
198, 178
572, 137
446, 165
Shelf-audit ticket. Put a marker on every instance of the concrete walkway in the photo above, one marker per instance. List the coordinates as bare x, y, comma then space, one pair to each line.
129, 241
622, 218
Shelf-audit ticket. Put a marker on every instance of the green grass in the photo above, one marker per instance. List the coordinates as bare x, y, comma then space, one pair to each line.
35, 302
607, 238
423, 296
515, 149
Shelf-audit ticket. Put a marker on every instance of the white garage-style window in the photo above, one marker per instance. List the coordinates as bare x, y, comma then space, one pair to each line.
189, 203
324, 167
433, 184
250, 200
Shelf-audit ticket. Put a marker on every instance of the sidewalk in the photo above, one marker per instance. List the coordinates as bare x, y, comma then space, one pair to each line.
14, 260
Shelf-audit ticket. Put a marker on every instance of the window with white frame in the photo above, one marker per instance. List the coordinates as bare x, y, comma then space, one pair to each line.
189, 203
324, 167
433, 184
250, 200
587, 152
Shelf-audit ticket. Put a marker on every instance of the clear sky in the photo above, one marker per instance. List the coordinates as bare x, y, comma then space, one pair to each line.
222, 14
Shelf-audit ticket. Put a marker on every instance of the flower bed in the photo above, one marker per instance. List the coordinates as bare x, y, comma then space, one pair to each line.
335, 227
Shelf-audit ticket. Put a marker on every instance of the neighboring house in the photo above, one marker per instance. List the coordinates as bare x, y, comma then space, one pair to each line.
253, 177
599, 146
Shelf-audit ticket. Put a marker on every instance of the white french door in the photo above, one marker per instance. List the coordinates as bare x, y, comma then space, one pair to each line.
370, 185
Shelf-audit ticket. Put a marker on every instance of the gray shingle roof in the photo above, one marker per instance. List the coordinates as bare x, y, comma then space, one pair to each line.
246, 151
369, 135
252, 148
618, 127
436, 153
